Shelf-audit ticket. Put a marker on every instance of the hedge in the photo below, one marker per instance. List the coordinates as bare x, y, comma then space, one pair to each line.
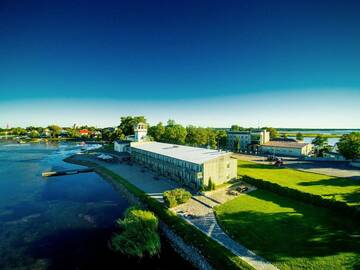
339, 207
175, 197
216, 254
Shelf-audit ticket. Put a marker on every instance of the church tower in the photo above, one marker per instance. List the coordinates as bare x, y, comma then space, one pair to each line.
140, 132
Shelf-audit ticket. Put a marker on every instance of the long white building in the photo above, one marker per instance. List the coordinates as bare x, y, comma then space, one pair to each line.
191, 166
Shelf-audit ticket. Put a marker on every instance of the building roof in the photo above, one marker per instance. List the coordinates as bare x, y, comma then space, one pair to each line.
245, 131
187, 153
284, 140
123, 141
285, 144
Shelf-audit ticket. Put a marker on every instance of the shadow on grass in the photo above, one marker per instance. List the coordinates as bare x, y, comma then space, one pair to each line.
340, 182
348, 197
308, 232
258, 166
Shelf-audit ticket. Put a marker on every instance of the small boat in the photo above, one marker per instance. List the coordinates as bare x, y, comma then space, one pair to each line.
47, 174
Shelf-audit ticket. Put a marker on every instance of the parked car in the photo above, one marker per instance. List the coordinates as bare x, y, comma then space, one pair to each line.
272, 158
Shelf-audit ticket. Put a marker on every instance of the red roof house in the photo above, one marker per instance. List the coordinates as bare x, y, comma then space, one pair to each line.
84, 132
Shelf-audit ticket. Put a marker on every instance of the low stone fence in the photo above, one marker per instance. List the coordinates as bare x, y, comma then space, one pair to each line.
355, 163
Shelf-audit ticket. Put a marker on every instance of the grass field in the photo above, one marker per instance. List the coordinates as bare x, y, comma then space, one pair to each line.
342, 189
290, 234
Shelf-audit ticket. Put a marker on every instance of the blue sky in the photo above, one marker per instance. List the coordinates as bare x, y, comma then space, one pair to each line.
209, 63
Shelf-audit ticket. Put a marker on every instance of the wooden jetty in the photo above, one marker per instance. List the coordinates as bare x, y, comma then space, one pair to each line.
66, 172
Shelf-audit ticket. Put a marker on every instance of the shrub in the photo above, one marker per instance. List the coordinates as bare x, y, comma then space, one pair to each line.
169, 200
138, 236
175, 197
211, 185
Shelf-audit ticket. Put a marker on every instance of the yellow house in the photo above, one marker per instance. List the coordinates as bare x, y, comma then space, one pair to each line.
287, 148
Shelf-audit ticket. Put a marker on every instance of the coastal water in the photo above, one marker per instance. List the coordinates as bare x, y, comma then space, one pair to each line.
320, 131
331, 141
61, 222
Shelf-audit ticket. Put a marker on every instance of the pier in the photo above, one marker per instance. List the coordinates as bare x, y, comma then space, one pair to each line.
66, 172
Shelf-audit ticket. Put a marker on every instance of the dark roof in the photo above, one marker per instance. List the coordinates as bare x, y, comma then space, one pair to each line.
123, 141
284, 140
285, 144
244, 131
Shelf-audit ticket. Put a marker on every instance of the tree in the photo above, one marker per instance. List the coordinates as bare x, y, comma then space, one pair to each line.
221, 138
127, 124
299, 136
18, 131
211, 138
54, 130
171, 122
319, 141
349, 145
174, 133
321, 145
211, 185
73, 132
273, 132
196, 136
157, 132
235, 128
138, 236
236, 146
34, 134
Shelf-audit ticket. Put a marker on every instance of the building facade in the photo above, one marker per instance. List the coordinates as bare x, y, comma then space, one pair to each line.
191, 166
241, 141
286, 148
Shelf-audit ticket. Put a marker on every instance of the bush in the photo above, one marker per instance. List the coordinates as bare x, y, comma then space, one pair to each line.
211, 185
138, 236
169, 200
175, 197
339, 207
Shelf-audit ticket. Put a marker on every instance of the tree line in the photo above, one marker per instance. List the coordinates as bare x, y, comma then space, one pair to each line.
172, 132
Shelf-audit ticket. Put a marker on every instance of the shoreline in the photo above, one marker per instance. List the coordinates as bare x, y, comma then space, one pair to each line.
187, 252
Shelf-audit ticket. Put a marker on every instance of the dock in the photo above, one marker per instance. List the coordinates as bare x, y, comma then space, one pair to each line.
66, 172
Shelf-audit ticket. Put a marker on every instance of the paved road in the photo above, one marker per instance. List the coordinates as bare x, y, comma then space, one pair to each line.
206, 221
331, 168
336, 168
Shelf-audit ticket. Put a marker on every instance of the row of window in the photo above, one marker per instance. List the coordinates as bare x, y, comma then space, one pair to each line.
177, 173
174, 161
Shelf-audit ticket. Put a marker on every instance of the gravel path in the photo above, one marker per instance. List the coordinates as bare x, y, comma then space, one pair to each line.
331, 168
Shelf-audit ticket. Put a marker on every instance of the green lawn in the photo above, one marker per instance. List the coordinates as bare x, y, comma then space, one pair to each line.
290, 234
342, 189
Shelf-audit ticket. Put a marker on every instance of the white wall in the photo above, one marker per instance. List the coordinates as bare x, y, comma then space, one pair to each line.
281, 151
120, 147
